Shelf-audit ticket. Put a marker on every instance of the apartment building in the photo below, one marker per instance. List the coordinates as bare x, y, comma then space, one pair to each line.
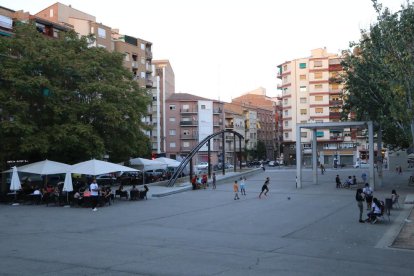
191, 119
6, 21
234, 119
265, 109
163, 87
310, 95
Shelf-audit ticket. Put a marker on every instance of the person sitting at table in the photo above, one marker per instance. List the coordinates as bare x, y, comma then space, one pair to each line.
78, 198
121, 192
143, 194
134, 193
36, 196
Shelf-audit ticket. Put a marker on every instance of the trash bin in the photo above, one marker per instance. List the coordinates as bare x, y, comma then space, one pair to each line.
388, 203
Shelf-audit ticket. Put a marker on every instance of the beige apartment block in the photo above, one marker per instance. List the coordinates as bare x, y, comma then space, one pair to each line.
83, 23
163, 87
190, 119
234, 119
309, 94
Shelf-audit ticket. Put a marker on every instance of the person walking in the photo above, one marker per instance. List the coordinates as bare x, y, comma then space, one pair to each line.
214, 180
243, 185
265, 187
236, 190
94, 188
322, 169
262, 166
359, 197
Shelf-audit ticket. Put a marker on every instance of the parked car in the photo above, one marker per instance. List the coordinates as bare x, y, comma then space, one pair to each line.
155, 175
273, 164
105, 179
202, 166
129, 178
361, 164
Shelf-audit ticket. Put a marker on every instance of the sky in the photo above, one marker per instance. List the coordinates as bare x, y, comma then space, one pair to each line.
220, 49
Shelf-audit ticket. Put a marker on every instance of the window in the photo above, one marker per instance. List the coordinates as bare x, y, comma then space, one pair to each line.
317, 63
319, 110
285, 79
302, 77
142, 75
186, 144
303, 122
203, 106
318, 121
172, 144
172, 132
318, 98
286, 112
318, 86
186, 107
286, 123
303, 112
142, 60
6, 22
172, 106
142, 46
101, 33
126, 56
302, 65
303, 134
303, 89
172, 119
286, 135
186, 132
285, 101
284, 67
51, 13
335, 86
317, 75
303, 100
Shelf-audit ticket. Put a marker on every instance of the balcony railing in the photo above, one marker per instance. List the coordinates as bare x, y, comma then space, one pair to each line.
148, 68
189, 137
189, 123
336, 102
217, 110
148, 54
189, 110
229, 126
148, 83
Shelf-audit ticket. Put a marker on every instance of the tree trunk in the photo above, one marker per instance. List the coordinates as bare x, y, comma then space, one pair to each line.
379, 156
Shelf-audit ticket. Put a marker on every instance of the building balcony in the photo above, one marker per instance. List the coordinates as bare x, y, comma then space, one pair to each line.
189, 123
148, 83
336, 138
279, 75
189, 110
148, 68
217, 110
229, 126
189, 137
148, 54
336, 102
334, 115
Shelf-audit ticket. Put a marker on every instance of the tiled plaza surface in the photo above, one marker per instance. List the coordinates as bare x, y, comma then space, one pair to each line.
207, 232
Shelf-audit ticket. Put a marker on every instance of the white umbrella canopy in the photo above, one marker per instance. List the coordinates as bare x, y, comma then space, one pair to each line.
147, 164
168, 161
15, 181
45, 167
96, 167
67, 185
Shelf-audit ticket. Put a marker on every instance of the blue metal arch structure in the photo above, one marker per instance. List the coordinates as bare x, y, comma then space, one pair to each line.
194, 151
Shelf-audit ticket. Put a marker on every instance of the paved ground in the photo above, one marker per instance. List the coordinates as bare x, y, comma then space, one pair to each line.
206, 232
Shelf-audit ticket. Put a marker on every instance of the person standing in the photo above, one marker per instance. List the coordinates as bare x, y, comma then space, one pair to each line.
359, 197
243, 185
265, 187
338, 181
214, 180
94, 188
262, 166
236, 190
368, 195
322, 169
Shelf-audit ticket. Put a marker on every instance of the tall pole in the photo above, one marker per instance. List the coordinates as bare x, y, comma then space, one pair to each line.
240, 153
298, 159
209, 159
314, 158
223, 152
234, 153
371, 154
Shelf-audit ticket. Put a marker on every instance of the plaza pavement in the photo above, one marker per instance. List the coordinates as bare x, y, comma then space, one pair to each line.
207, 232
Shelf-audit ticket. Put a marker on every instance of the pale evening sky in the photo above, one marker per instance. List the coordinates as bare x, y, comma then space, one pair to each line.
220, 49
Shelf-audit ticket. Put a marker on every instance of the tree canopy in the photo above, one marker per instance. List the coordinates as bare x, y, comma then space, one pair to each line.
63, 100
379, 75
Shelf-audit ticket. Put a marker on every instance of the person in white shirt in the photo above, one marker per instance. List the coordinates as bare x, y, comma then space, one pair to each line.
376, 211
94, 188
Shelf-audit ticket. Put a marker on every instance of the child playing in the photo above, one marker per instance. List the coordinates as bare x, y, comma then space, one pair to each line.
236, 190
